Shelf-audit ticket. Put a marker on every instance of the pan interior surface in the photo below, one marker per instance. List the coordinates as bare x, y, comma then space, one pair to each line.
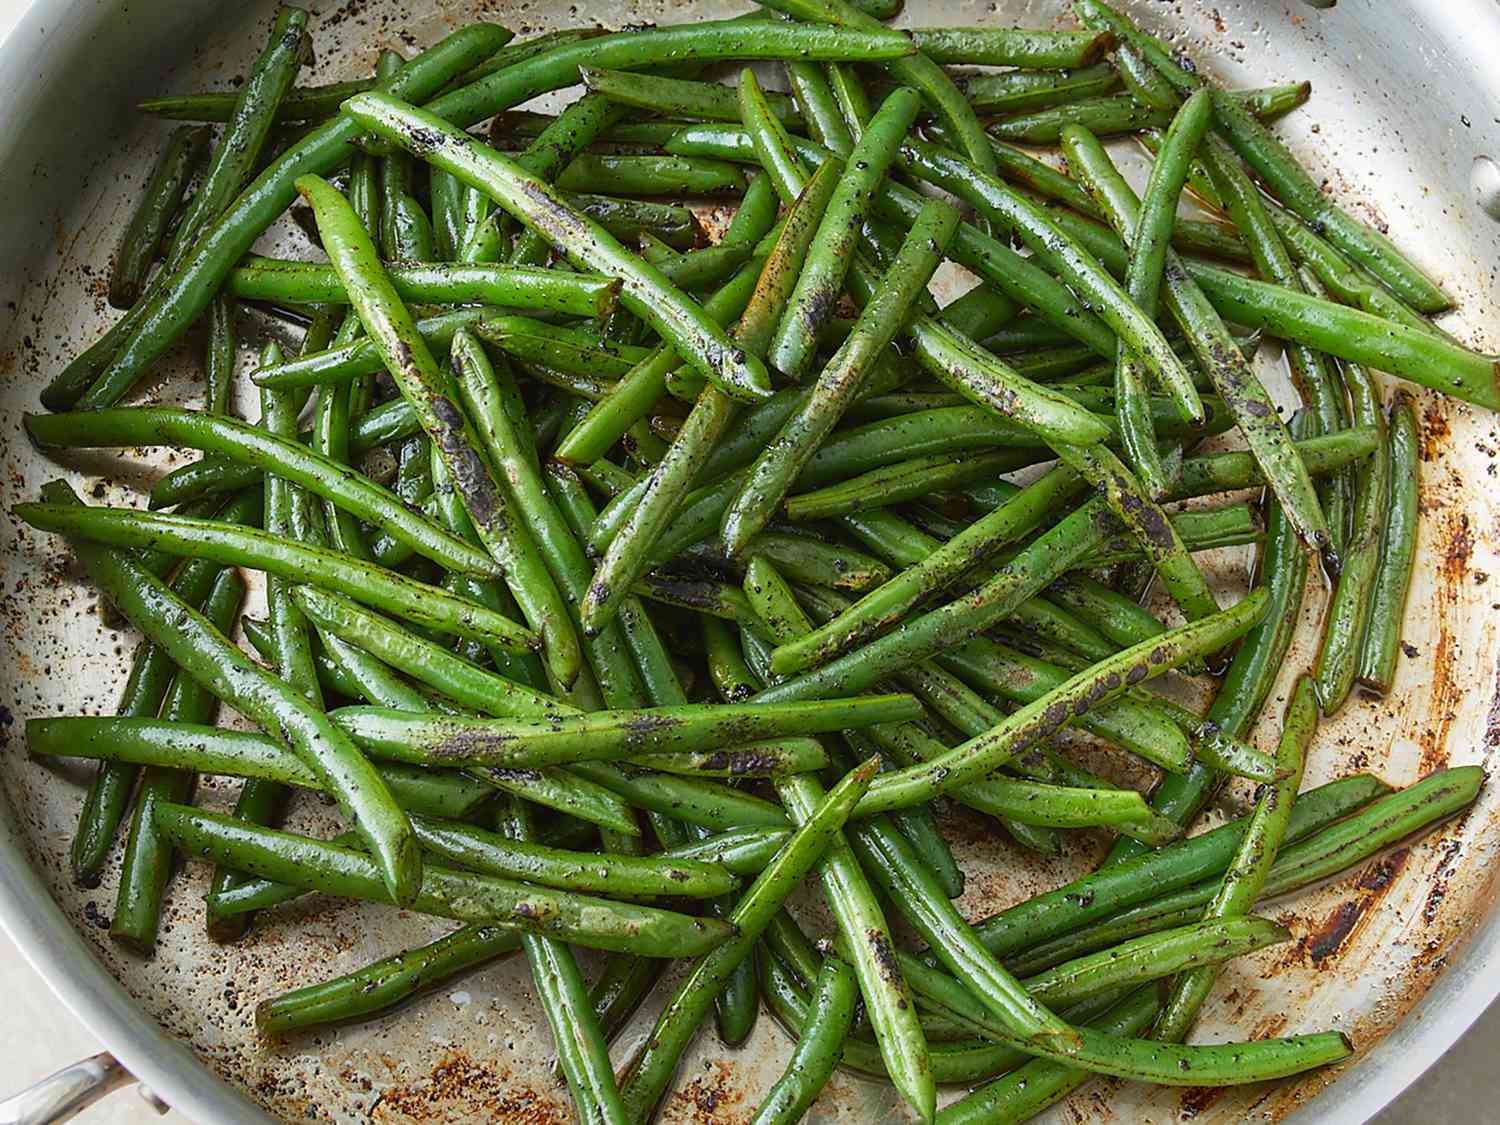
1400, 954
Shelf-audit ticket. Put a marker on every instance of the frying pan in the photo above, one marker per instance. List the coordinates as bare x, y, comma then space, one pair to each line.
1401, 954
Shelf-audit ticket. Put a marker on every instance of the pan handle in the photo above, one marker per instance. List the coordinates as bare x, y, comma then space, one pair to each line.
62, 1096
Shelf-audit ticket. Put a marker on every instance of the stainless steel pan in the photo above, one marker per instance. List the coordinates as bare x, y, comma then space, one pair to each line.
1402, 954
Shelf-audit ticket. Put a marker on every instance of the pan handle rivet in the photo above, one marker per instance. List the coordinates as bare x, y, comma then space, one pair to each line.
1485, 178
1323, 4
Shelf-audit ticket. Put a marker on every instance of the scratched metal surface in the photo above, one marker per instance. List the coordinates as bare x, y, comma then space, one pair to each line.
1400, 109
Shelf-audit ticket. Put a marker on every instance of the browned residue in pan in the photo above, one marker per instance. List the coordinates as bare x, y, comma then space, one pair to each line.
461, 1088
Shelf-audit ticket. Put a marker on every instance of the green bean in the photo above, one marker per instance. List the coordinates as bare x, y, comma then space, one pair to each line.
1029, 1090
394, 180
1247, 871
804, 559
774, 473
964, 1062
200, 650
651, 1070
979, 312
583, 1051
650, 175
386, 983
349, 361
147, 861
573, 294
888, 859
445, 892
759, 759
241, 546
565, 791
289, 511
1348, 614
676, 97
446, 194
820, 1045
665, 490
1311, 372
1011, 273
1148, 525
108, 369
614, 876
1014, 212
1377, 664
984, 752
214, 750
691, 800
1122, 113
1228, 526
1148, 249
1353, 335
481, 391
151, 675
921, 830
300, 103
1025, 89
249, 124
1333, 849
413, 240
1022, 577
889, 603
638, 391
813, 95
251, 445
908, 480
1148, 875
549, 153
110, 792
1275, 164
829, 255
850, 95
719, 599
160, 198
568, 349
1123, 621
462, 741
1256, 665
918, 71
1012, 46
772, 146
388, 322
423, 660
644, 291
1247, 399
1162, 1063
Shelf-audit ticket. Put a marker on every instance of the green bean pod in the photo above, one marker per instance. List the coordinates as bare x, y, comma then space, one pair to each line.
251, 445
242, 546
1252, 407
109, 368
1377, 664
160, 198
147, 861
644, 290
572, 294
1247, 871
386, 983
198, 648
820, 1045
1348, 614
652, 1069
445, 892
774, 473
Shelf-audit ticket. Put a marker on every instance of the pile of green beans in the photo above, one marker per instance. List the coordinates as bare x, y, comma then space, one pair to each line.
613, 544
